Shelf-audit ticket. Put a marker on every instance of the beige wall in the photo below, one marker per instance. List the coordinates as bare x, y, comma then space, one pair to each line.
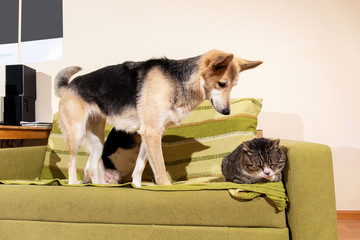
309, 81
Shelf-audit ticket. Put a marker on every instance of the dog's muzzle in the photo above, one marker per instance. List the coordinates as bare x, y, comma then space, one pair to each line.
226, 111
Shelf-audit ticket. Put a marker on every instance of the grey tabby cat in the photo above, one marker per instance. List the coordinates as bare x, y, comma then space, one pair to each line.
255, 161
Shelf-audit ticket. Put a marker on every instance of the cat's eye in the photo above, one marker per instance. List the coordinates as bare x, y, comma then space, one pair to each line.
250, 167
251, 153
277, 166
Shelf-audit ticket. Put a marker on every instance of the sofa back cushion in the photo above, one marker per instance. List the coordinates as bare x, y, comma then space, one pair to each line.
192, 150
26, 165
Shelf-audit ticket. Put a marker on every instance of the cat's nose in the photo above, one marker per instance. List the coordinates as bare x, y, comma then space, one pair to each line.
267, 171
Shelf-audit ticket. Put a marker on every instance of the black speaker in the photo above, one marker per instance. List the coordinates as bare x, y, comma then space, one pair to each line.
17, 109
20, 81
19, 102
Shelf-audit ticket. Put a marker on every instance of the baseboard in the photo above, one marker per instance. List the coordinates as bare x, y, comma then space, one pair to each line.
348, 215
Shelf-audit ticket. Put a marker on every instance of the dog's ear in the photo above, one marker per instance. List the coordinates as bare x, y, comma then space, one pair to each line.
246, 64
222, 61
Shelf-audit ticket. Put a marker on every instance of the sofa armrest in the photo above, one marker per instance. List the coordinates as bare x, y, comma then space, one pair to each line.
309, 184
21, 163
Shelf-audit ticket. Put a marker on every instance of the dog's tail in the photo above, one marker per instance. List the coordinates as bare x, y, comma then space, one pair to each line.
63, 77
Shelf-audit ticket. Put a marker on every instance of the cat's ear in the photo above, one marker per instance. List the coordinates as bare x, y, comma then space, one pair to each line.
246, 147
276, 144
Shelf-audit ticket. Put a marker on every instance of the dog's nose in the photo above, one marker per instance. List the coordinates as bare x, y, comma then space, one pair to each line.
226, 111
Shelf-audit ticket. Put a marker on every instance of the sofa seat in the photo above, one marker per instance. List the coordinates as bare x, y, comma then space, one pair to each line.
136, 206
72, 212
59, 231
92, 212
82, 210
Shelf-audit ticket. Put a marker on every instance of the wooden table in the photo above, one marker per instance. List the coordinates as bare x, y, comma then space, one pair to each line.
18, 132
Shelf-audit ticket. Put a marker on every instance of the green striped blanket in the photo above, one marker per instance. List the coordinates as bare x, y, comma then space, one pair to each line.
193, 153
192, 150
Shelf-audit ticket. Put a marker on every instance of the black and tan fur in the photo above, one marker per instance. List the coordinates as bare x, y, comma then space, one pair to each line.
119, 155
144, 97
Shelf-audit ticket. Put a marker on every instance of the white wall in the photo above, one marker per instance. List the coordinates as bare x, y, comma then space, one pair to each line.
309, 80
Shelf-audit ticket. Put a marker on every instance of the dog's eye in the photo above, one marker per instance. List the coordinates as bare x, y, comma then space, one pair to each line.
222, 84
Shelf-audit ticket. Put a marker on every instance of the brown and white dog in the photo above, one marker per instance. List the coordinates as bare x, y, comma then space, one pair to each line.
144, 97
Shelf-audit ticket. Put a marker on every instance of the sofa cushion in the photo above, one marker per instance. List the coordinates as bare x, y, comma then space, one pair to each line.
136, 206
28, 166
195, 149
34, 230
273, 191
192, 150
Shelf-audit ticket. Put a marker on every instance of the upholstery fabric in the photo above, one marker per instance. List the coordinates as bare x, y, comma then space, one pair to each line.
26, 167
273, 191
135, 206
91, 212
27, 212
34, 230
310, 172
192, 150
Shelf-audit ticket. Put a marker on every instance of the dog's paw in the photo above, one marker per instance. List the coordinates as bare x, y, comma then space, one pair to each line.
136, 182
163, 181
86, 180
74, 182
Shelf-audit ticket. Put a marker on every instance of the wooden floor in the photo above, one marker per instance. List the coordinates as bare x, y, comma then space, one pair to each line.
349, 229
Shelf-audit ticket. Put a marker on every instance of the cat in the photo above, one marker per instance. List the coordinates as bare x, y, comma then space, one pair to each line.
256, 161
119, 156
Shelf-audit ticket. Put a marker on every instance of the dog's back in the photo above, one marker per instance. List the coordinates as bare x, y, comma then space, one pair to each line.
112, 88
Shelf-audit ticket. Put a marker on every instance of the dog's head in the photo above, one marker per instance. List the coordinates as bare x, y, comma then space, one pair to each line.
219, 73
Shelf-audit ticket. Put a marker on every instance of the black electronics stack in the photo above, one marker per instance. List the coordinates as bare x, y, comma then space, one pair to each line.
20, 94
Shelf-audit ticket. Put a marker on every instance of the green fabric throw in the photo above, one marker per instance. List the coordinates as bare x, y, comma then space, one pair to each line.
193, 154
274, 191
191, 150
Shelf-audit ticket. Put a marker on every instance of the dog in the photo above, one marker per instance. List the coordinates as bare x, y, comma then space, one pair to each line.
119, 155
144, 97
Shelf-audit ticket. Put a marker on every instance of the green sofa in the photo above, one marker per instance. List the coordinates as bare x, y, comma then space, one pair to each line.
51, 209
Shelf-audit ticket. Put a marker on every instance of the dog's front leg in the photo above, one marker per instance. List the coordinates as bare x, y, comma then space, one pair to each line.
95, 142
72, 170
86, 178
152, 139
140, 165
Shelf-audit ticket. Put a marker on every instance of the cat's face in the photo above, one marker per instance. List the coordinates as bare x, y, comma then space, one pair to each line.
263, 158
